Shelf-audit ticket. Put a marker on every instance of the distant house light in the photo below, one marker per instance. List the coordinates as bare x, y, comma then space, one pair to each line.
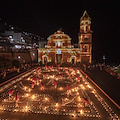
10, 36
18, 46
23, 40
12, 28
28, 47
103, 57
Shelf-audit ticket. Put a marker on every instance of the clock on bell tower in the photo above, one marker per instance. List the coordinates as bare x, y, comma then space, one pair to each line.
85, 39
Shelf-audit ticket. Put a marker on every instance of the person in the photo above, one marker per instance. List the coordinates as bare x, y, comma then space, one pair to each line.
18, 70
4, 74
1, 75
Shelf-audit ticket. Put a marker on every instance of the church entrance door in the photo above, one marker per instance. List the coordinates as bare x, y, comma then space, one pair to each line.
58, 58
73, 60
45, 60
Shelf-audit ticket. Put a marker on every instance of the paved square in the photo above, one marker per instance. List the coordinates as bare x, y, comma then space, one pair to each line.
60, 91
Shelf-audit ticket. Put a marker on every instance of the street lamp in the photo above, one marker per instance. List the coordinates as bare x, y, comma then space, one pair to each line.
104, 58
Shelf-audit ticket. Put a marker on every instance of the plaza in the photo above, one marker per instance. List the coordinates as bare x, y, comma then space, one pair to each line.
53, 91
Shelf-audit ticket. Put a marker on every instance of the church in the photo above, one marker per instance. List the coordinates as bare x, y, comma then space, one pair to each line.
60, 51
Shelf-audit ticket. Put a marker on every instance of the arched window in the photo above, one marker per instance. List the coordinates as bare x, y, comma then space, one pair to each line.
58, 44
86, 38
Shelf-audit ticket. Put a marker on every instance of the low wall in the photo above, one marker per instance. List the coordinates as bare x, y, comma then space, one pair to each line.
25, 57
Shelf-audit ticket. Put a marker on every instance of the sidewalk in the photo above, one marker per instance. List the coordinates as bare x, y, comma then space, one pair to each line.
107, 82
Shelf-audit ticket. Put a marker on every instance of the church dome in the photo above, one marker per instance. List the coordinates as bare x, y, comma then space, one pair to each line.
59, 35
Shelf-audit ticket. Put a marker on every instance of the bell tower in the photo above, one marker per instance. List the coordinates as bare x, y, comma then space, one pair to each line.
85, 39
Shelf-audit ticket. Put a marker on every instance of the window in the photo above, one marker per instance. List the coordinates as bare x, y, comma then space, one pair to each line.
85, 48
58, 44
82, 22
86, 38
11, 38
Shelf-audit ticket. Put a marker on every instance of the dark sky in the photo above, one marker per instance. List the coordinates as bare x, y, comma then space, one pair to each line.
46, 17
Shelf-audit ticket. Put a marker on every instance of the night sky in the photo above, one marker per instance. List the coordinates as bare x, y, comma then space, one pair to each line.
46, 17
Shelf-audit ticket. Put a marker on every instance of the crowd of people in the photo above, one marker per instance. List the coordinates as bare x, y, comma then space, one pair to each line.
23, 67
104, 67
112, 72
6, 72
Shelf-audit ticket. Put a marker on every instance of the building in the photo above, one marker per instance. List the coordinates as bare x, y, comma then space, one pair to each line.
85, 39
18, 39
42, 43
18, 46
5, 44
59, 49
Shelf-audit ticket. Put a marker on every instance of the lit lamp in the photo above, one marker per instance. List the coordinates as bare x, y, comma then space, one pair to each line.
26, 108
27, 95
25, 87
46, 99
81, 112
33, 97
56, 105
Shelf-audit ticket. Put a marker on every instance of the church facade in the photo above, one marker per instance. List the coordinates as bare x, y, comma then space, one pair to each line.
59, 49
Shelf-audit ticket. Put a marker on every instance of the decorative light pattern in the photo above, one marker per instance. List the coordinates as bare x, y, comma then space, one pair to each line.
73, 94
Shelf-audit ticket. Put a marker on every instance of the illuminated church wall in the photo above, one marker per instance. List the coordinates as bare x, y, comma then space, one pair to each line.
59, 49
